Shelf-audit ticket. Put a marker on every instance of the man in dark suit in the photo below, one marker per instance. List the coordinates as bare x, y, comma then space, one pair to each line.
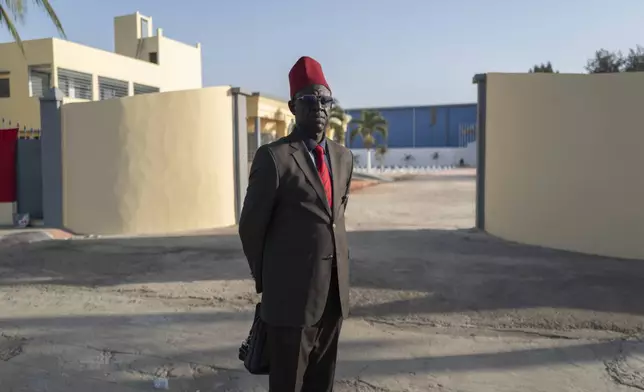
294, 237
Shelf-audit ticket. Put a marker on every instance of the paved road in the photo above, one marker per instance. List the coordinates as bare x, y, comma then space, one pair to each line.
436, 307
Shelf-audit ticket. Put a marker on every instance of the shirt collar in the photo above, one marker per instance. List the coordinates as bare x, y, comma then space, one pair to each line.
311, 144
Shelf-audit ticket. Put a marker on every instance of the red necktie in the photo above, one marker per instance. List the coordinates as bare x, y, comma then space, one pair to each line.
323, 171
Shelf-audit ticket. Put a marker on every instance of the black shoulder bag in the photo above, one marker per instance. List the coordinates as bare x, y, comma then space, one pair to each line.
254, 351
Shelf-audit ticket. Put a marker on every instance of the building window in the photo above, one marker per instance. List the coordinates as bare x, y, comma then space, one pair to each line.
143, 89
75, 84
5, 89
111, 88
154, 57
38, 83
145, 29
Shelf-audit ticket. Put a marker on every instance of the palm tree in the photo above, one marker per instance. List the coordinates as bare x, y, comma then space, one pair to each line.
338, 120
381, 152
12, 11
369, 124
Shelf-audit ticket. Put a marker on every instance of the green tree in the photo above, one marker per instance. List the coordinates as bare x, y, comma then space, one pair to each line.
605, 62
337, 122
543, 68
370, 123
634, 61
13, 11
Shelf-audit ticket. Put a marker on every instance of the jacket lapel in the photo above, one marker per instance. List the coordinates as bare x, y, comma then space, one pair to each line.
336, 171
305, 163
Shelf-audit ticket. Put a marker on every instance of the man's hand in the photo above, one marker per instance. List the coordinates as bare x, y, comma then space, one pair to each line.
256, 213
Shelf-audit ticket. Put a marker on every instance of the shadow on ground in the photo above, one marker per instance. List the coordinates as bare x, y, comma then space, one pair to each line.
416, 271
353, 372
83, 350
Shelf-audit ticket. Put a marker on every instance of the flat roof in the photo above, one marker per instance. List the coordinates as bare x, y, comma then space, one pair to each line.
269, 96
446, 105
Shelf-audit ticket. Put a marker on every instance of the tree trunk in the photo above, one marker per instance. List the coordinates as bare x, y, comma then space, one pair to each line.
368, 160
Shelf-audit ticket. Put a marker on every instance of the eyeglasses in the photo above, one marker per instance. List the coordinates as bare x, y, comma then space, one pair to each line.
315, 99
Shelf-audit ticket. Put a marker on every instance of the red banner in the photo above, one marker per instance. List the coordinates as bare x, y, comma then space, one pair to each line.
8, 144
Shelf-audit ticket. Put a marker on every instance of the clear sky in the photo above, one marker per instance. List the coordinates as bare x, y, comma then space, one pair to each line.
374, 52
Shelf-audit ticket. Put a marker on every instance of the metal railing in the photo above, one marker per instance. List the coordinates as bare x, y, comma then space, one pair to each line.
23, 132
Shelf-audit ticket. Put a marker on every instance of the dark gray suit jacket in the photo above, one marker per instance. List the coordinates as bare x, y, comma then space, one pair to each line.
290, 235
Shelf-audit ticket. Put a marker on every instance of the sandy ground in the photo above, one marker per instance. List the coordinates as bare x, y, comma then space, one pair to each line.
437, 306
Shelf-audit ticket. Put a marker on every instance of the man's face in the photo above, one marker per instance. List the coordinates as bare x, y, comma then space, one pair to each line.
311, 107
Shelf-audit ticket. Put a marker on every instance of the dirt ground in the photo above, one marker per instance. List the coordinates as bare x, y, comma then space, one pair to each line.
437, 306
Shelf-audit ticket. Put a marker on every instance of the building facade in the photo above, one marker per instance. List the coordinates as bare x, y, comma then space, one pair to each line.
142, 62
423, 126
268, 119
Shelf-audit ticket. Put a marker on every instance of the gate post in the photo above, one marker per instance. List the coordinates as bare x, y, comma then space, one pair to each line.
258, 131
481, 81
240, 147
52, 157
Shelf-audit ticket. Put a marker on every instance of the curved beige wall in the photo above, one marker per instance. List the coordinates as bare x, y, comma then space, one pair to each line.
149, 164
564, 161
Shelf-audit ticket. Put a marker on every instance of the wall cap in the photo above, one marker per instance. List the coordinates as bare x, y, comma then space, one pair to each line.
479, 78
241, 91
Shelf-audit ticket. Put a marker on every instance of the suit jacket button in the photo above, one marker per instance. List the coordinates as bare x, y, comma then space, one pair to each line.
334, 225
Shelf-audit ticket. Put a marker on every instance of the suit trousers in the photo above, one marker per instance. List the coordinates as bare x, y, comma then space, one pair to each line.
303, 359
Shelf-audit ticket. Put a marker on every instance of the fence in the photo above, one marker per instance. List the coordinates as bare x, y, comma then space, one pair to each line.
216, 179
418, 157
8, 137
24, 133
29, 178
22, 170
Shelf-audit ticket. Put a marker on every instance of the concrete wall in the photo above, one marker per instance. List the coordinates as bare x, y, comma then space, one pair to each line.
564, 161
423, 157
6, 213
153, 163
20, 107
179, 65
127, 32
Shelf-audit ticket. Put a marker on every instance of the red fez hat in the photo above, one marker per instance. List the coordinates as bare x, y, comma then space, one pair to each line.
304, 73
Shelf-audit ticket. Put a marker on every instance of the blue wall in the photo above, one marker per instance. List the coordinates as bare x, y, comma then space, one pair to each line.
421, 126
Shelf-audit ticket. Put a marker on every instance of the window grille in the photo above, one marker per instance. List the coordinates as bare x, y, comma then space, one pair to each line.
111, 88
143, 89
75, 84
38, 83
